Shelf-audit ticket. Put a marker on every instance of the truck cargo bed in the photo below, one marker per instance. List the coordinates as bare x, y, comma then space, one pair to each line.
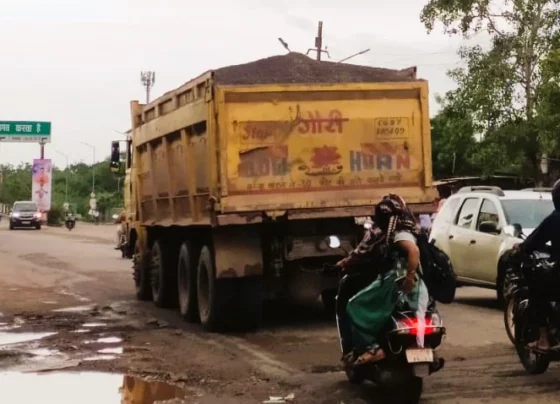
222, 153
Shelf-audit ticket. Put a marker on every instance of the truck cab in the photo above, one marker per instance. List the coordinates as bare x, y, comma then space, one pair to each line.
128, 192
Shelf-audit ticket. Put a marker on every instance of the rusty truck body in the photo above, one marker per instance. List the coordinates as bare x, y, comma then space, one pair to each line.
233, 188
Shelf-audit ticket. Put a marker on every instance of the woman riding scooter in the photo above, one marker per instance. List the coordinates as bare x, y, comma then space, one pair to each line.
394, 230
121, 230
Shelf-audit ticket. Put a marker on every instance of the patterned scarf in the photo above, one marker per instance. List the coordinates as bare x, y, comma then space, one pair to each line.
393, 213
391, 216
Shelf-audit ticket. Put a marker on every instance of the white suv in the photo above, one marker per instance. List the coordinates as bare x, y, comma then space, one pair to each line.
475, 227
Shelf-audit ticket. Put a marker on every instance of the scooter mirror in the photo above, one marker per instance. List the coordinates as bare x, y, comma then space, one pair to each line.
333, 242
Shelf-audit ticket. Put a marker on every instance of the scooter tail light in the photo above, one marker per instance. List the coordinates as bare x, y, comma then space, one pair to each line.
410, 326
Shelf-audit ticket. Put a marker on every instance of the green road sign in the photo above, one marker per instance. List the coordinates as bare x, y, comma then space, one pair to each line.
25, 131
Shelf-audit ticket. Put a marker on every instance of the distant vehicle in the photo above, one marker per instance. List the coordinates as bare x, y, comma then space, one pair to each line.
478, 225
70, 221
25, 214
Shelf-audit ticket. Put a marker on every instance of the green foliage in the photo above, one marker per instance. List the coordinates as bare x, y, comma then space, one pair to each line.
510, 91
452, 141
55, 216
17, 186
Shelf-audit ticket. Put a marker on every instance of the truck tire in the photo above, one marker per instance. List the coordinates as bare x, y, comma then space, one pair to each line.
164, 274
187, 282
141, 274
216, 297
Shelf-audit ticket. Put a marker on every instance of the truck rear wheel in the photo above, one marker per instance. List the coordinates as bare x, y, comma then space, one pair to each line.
141, 274
186, 281
215, 296
227, 304
164, 275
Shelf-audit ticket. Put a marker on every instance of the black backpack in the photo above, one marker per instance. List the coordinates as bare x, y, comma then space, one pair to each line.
437, 271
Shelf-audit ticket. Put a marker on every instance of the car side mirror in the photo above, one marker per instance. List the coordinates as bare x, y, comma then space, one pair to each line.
517, 230
514, 230
489, 227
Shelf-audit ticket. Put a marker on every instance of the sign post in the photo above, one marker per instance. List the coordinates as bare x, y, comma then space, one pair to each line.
25, 132
41, 184
33, 132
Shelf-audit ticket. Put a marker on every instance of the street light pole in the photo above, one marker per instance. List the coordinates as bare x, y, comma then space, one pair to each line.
92, 147
67, 173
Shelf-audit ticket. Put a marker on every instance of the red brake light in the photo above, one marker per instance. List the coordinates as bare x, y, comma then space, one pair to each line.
412, 324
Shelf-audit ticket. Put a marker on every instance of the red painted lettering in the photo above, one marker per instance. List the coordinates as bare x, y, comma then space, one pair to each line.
316, 124
403, 161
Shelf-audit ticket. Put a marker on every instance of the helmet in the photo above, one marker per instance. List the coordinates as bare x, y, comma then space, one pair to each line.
556, 195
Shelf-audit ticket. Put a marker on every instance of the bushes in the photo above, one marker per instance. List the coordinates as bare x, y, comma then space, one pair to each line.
55, 216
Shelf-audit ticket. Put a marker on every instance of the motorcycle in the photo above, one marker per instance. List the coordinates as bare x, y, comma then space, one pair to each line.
405, 365
513, 283
70, 222
525, 331
123, 245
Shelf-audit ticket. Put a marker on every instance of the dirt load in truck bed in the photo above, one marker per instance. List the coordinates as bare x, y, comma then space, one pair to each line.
296, 68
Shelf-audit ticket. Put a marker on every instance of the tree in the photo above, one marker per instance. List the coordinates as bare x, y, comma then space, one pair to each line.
16, 185
508, 85
452, 139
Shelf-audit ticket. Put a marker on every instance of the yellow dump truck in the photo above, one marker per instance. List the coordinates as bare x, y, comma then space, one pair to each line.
236, 178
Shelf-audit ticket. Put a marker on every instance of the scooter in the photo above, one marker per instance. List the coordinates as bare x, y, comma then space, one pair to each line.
123, 245
405, 365
70, 222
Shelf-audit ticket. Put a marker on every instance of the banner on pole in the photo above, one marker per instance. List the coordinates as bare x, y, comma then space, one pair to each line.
41, 184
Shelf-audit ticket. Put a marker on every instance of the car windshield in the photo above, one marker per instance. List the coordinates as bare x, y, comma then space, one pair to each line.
25, 207
529, 213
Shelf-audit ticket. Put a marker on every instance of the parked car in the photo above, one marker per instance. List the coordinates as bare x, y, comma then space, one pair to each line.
25, 214
475, 227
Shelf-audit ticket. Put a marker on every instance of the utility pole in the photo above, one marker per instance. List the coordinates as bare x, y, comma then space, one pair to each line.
148, 80
319, 43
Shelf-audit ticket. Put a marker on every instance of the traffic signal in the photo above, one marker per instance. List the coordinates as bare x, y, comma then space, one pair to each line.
115, 157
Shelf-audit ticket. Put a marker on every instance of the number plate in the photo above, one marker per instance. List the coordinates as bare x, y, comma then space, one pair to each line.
26, 222
419, 355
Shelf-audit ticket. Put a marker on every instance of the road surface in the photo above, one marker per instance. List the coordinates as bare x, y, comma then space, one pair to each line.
102, 328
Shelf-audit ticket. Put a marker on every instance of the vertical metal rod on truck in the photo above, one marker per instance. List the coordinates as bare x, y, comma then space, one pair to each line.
319, 40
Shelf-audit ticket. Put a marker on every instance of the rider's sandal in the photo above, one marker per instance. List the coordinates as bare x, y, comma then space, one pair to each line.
350, 357
534, 346
373, 356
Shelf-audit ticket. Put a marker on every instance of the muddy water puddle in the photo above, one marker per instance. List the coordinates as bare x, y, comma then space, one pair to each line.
85, 388
9, 338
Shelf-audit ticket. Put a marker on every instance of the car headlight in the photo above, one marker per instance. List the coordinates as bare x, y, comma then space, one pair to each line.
15, 214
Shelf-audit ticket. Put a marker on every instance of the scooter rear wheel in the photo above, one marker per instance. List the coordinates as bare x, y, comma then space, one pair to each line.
411, 392
354, 376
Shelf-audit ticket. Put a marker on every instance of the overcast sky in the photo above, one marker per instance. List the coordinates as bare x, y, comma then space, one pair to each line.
77, 63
